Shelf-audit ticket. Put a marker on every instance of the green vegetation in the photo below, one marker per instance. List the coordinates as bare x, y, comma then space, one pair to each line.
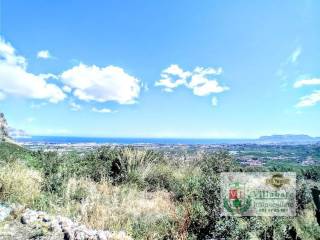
147, 195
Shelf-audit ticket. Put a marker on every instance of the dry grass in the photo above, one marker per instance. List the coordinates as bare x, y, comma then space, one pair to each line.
139, 161
19, 184
104, 206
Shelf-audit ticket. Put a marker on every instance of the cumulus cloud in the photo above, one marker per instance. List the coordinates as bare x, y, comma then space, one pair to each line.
309, 100
16, 80
173, 77
44, 54
74, 107
102, 110
66, 89
92, 83
201, 85
306, 82
199, 80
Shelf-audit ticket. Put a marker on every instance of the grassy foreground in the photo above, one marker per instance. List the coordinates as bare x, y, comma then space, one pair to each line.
145, 194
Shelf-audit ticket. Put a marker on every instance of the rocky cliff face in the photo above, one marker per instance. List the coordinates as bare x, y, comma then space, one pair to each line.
4, 128
8, 133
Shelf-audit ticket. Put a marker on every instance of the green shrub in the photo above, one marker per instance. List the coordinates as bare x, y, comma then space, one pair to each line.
205, 192
160, 177
117, 164
51, 164
303, 194
148, 228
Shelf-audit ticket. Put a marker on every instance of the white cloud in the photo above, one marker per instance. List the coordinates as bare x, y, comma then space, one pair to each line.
44, 54
197, 80
16, 80
201, 85
102, 110
284, 71
295, 55
48, 75
66, 89
200, 74
174, 69
313, 98
168, 83
208, 87
173, 77
74, 107
306, 82
214, 101
7, 55
92, 83
309, 100
169, 90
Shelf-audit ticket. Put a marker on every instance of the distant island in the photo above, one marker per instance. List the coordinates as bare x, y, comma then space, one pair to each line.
289, 138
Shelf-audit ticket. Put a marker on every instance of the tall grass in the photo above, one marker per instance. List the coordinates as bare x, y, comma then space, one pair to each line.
19, 184
102, 205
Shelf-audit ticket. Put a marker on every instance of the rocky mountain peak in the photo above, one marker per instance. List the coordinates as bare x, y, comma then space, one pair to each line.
4, 128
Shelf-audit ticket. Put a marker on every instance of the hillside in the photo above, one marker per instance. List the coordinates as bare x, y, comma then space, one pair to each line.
288, 138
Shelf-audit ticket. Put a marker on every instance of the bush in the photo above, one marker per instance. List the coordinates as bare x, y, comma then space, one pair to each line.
117, 164
203, 193
160, 177
19, 184
54, 172
78, 190
303, 194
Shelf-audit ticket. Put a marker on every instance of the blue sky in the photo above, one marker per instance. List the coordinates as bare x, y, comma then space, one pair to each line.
199, 69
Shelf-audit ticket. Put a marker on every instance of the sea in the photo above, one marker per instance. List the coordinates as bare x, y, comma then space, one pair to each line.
128, 141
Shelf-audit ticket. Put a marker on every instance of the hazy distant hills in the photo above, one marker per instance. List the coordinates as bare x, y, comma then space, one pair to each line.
289, 138
17, 133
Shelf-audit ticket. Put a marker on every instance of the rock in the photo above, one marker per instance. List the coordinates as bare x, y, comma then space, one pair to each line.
122, 235
29, 216
80, 235
68, 234
4, 212
54, 226
103, 235
4, 133
46, 218
40, 225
